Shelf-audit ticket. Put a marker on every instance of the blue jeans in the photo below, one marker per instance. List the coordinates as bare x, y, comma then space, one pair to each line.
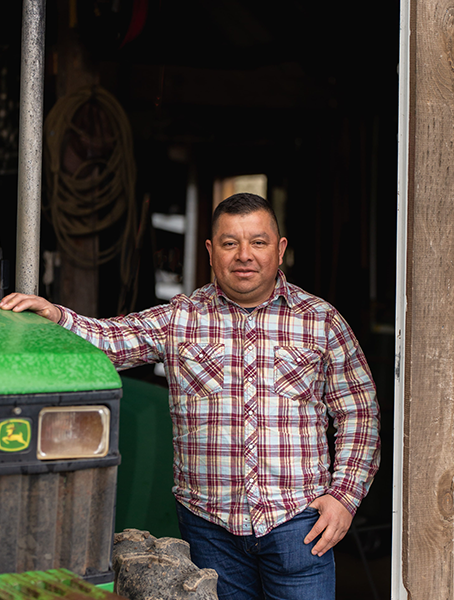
276, 566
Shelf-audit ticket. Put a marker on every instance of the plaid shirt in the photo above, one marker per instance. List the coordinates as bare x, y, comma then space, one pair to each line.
249, 395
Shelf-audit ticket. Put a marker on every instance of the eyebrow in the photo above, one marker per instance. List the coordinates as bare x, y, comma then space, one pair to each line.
263, 234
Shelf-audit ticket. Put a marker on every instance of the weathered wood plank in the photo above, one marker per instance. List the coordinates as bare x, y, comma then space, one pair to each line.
428, 568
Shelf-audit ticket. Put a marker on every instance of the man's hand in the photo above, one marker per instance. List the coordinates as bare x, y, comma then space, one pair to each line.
334, 522
19, 302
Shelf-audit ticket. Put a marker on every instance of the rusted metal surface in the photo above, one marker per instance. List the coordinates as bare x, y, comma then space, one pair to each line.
159, 569
55, 520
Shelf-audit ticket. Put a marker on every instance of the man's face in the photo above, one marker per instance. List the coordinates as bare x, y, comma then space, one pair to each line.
245, 254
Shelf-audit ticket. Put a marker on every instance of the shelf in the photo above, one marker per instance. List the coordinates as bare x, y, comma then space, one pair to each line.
174, 223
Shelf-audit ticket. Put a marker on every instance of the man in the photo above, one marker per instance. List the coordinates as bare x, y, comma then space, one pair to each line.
254, 366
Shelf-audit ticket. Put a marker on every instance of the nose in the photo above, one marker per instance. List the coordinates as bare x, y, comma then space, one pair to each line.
244, 252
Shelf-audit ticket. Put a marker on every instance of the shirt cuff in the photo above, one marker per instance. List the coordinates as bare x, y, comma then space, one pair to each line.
347, 500
66, 319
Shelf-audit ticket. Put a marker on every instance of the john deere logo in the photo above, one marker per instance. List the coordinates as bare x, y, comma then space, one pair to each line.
15, 435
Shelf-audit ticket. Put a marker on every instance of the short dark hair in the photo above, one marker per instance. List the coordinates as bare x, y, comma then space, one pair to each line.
243, 203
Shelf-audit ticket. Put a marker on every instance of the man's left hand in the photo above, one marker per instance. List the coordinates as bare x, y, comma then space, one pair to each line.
333, 524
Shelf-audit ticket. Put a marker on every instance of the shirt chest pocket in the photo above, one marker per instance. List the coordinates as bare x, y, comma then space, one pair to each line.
296, 370
201, 368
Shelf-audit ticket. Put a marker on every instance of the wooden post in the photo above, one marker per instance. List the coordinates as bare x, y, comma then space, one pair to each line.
79, 286
428, 457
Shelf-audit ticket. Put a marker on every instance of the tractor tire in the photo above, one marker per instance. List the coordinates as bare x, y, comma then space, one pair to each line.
149, 568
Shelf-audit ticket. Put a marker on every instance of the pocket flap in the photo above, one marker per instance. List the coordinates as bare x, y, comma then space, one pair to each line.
200, 352
300, 356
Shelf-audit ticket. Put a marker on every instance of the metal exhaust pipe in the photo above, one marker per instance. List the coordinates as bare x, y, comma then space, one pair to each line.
30, 146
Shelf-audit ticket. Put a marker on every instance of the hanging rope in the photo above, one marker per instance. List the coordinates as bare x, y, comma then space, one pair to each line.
90, 175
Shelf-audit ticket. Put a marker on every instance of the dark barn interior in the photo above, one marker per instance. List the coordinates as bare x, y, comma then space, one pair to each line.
303, 94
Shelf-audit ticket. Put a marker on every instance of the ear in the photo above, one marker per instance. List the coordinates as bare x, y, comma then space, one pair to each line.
209, 247
282, 247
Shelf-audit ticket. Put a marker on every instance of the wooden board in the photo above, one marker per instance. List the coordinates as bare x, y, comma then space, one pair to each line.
429, 405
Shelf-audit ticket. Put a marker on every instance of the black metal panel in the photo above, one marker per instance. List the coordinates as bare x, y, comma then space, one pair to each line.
58, 513
54, 520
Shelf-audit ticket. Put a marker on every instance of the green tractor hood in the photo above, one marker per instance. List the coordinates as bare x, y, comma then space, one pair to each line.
38, 356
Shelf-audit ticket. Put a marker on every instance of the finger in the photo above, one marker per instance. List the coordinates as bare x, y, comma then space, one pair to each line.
7, 300
327, 541
21, 306
316, 530
12, 300
331, 536
22, 303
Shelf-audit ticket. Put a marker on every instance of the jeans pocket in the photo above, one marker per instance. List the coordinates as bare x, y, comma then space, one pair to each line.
310, 509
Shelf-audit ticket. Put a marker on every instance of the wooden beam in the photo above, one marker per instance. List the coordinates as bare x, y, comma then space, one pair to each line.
428, 469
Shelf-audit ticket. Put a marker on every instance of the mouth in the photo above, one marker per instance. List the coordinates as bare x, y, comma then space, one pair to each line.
244, 272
